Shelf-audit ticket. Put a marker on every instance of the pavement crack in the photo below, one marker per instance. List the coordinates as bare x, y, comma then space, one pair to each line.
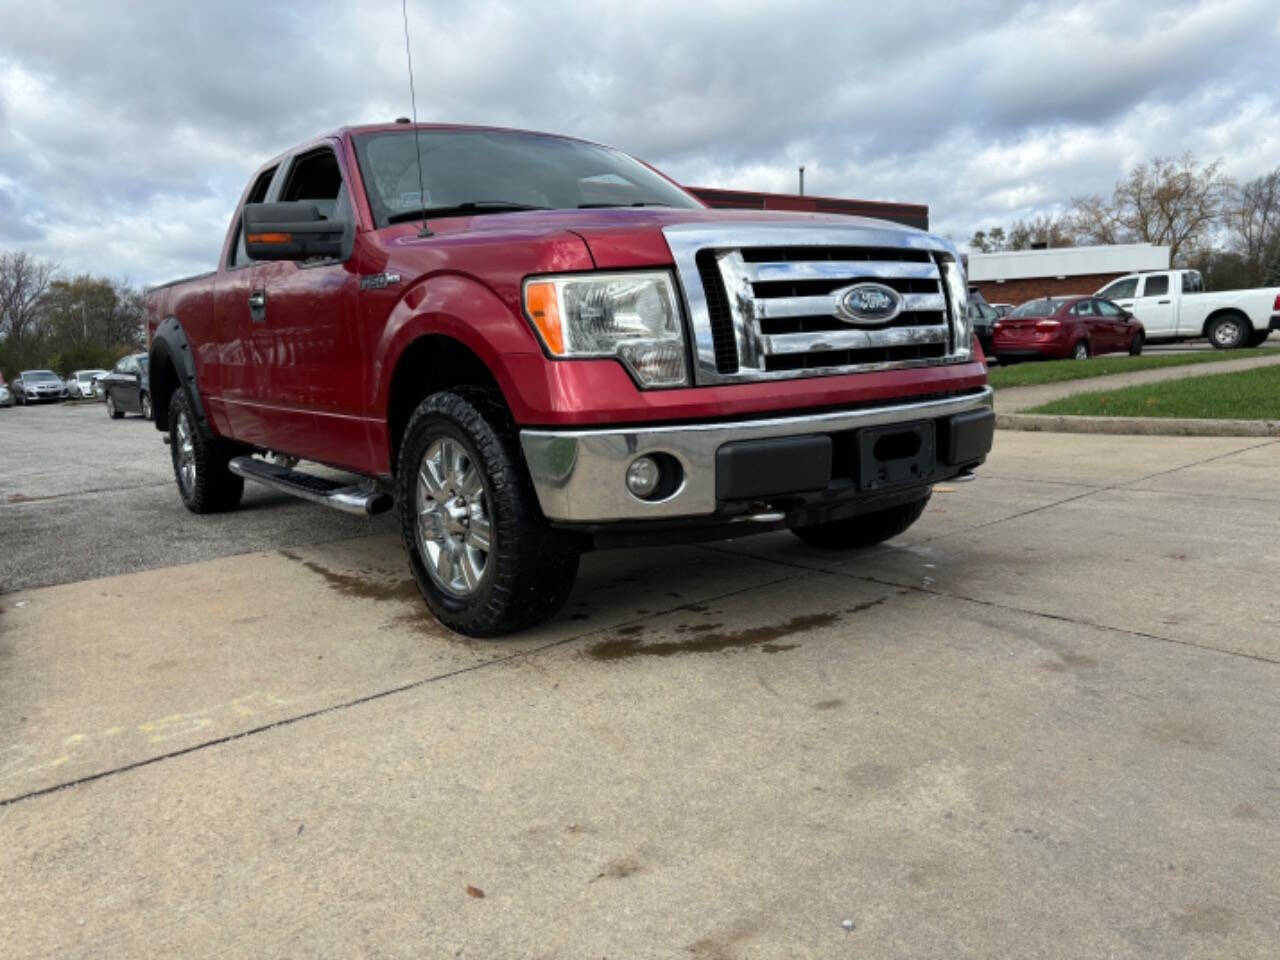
1058, 617
371, 697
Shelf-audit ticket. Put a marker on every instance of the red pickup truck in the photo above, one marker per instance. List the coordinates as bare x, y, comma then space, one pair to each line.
533, 346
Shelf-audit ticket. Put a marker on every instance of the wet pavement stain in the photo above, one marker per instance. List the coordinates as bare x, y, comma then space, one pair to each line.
352, 586
833, 704
761, 638
859, 607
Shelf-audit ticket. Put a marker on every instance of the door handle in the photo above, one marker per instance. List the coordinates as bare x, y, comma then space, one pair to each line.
1162, 301
258, 306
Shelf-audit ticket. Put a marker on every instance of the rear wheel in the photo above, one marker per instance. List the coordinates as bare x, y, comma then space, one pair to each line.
1135, 345
114, 412
144, 405
485, 559
866, 530
1080, 351
1229, 332
1259, 338
199, 463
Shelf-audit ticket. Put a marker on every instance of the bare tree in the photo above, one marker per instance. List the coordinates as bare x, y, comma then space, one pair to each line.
23, 283
1047, 229
1169, 201
988, 241
1253, 224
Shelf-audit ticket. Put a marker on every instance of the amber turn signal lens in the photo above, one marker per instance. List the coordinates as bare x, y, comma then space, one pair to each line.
543, 305
269, 238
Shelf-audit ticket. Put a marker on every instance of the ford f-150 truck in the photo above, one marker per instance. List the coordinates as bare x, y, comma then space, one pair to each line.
533, 345
1173, 305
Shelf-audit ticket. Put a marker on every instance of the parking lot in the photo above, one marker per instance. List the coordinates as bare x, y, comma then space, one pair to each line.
1040, 724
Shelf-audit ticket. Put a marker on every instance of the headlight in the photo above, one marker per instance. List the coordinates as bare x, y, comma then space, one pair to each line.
958, 295
632, 316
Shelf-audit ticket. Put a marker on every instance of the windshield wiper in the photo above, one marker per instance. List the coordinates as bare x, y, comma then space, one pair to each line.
638, 203
461, 209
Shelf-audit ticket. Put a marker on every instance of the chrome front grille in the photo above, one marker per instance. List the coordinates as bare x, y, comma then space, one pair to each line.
764, 299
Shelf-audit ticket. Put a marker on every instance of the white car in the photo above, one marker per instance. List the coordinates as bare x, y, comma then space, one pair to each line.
1172, 305
6, 396
80, 384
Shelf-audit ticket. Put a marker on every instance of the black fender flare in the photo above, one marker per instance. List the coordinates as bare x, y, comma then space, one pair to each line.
170, 349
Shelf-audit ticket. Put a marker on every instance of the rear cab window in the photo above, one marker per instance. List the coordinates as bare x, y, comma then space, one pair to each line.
238, 257
1156, 286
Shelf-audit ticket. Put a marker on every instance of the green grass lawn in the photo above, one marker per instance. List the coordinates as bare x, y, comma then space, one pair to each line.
1247, 395
1056, 371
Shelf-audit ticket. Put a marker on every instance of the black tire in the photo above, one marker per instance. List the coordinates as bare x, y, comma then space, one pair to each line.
207, 486
1080, 351
144, 405
114, 412
1229, 332
867, 530
1135, 345
1259, 338
529, 568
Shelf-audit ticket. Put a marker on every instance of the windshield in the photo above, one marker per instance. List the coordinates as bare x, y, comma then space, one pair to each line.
1037, 308
501, 169
143, 363
39, 375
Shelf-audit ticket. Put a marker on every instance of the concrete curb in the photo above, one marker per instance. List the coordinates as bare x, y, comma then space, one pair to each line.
1140, 426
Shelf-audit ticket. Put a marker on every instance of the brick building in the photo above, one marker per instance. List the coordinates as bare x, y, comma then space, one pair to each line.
911, 214
1021, 275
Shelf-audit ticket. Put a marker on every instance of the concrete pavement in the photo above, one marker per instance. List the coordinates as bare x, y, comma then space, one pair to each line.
1041, 723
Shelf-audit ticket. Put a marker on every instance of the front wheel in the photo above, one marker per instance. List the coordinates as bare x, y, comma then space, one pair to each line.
867, 530
114, 412
205, 484
1135, 345
1229, 332
144, 405
485, 559
1080, 351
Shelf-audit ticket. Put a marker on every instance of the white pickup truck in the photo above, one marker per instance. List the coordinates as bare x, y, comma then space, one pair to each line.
1172, 305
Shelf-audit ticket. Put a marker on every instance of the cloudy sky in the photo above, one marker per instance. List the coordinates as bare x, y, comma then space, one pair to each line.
127, 129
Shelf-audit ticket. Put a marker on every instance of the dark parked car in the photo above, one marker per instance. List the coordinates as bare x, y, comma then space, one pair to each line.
36, 386
128, 387
1061, 327
983, 318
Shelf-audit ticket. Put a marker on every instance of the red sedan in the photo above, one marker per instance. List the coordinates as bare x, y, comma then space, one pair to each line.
1062, 327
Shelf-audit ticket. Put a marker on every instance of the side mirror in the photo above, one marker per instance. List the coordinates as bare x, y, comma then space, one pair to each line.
290, 231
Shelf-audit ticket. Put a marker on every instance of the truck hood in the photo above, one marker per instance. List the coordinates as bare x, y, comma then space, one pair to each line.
623, 237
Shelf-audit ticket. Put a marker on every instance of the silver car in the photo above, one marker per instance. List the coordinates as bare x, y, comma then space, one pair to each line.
80, 385
6, 396
34, 386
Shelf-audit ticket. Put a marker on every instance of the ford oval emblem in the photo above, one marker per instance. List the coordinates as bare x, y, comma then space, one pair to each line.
872, 303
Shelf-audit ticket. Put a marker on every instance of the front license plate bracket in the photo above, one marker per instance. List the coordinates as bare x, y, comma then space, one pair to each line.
899, 454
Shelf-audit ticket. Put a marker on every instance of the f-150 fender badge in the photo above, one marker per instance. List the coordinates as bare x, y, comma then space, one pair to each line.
869, 303
379, 281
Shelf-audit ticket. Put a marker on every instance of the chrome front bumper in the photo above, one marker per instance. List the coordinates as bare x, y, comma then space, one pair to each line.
579, 475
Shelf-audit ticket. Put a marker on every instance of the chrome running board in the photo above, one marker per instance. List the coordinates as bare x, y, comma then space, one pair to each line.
361, 499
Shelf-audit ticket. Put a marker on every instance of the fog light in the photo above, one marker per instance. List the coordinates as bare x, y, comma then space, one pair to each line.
643, 476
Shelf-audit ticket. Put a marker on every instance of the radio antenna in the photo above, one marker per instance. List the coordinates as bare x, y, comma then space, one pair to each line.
413, 103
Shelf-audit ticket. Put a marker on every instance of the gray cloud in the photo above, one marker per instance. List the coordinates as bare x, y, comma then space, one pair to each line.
127, 132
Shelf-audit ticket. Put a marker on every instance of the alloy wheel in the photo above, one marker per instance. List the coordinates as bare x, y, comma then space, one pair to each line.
184, 447
454, 533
